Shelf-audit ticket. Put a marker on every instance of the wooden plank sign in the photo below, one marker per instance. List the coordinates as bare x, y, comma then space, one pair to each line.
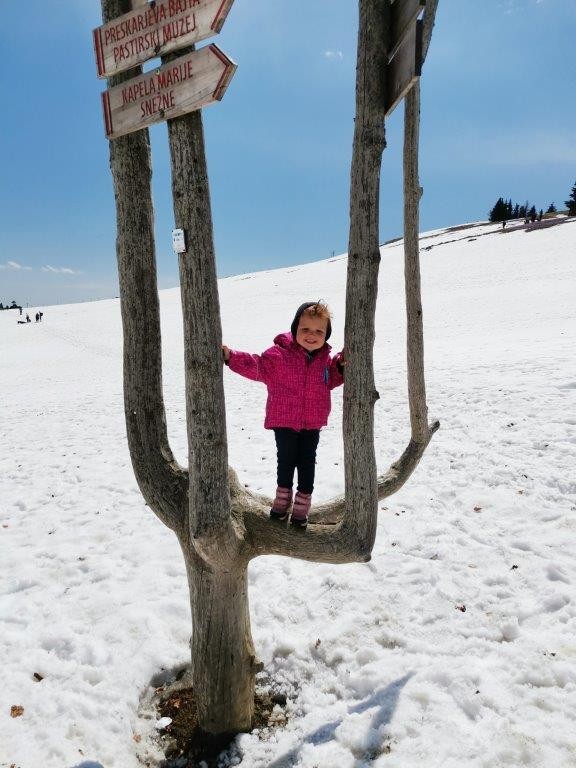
187, 83
405, 68
402, 14
154, 29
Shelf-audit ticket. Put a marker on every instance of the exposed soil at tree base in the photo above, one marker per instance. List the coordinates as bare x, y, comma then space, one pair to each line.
186, 745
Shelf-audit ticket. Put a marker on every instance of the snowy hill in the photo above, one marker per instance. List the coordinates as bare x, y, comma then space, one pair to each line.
454, 647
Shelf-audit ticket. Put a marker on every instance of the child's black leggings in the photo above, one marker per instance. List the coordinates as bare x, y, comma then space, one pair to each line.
297, 450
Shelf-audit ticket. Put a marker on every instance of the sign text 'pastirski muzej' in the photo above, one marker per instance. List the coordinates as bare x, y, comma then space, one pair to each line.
185, 84
155, 29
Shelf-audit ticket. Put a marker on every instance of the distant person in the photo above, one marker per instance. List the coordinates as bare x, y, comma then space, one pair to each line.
28, 318
37, 317
40, 315
504, 224
299, 374
20, 308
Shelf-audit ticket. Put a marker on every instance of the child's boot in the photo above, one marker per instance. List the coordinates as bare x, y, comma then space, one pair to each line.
301, 509
281, 504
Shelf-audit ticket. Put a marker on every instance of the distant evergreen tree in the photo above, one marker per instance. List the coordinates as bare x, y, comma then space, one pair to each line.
503, 210
499, 212
571, 202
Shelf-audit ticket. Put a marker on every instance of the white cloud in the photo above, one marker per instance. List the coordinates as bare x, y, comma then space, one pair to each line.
15, 266
514, 6
334, 55
61, 270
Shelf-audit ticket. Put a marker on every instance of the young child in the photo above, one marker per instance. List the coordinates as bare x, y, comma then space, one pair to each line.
299, 374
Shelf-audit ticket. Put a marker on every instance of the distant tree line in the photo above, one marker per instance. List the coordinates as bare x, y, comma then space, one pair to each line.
13, 305
503, 210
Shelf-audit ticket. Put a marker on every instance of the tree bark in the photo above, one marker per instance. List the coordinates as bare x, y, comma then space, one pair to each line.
362, 273
223, 658
414, 320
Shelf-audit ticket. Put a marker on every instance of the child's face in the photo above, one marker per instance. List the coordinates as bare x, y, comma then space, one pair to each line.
311, 333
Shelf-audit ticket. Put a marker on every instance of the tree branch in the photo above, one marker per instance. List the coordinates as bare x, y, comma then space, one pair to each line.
318, 543
362, 275
209, 505
162, 481
412, 193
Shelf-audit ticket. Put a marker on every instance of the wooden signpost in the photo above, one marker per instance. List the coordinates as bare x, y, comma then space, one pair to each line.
155, 29
403, 15
185, 84
405, 57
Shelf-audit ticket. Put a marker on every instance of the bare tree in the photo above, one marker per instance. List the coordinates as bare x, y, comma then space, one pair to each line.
220, 526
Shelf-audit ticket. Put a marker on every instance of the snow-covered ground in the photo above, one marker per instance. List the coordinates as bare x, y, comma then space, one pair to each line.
455, 647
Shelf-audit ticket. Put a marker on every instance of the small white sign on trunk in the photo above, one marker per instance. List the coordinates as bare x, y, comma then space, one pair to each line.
185, 84
154, 29
178, 241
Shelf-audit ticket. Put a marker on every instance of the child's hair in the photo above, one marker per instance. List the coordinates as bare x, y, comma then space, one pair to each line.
319, 309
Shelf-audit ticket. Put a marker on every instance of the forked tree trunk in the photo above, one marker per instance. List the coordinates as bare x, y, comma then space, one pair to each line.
221, 526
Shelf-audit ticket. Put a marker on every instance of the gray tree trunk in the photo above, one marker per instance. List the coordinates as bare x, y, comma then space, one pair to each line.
223, 660
221, 526
421, 431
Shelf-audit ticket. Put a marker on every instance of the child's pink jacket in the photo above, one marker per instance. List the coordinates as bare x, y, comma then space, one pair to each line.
298, 387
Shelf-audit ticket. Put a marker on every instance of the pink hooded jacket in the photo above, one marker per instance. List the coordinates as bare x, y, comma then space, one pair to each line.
298, 384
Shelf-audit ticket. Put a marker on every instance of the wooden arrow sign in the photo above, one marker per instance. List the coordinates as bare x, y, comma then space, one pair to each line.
405, 68
185, 84
154, 29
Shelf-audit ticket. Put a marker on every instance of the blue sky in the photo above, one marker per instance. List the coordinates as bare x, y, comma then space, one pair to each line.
498, 117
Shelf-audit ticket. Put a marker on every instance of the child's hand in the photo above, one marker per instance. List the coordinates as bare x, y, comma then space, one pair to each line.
225, 353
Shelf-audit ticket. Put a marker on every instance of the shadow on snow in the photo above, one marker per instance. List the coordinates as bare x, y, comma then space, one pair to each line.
386, 700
